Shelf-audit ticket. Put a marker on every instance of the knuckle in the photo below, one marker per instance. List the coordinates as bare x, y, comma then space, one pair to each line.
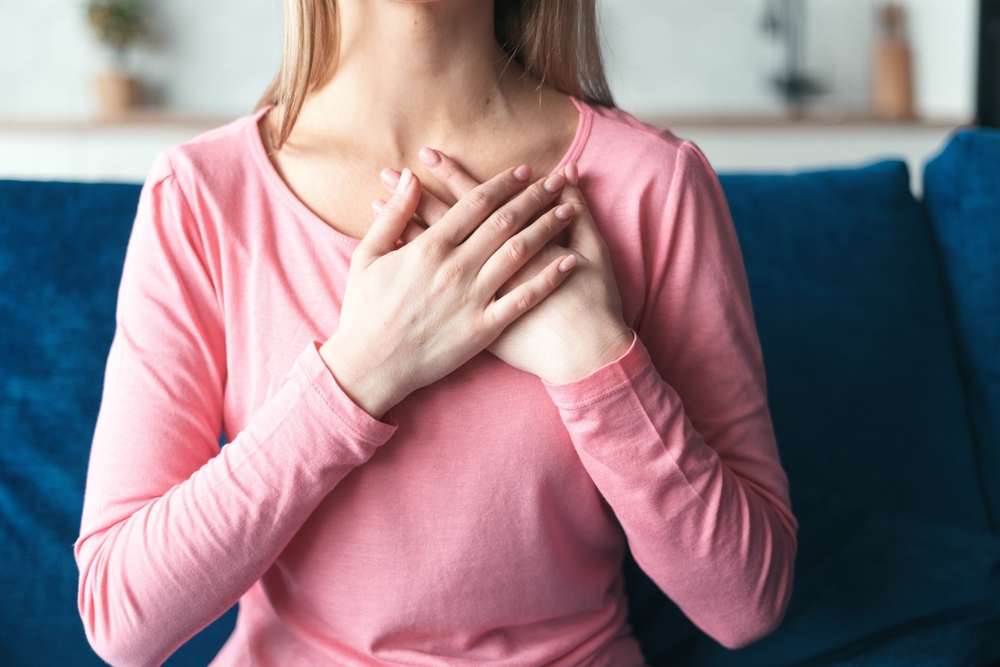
524, 301
430, 247
517, 250
504, 221
536, 197
448, 276
579, 205
448, 169
479, 202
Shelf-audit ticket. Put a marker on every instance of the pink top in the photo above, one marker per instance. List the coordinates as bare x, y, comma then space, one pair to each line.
485, 523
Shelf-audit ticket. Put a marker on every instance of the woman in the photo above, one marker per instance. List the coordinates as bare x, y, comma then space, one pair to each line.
444, 422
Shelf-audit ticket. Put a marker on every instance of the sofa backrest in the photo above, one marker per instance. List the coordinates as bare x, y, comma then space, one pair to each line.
863, 378
963, 198
61, 251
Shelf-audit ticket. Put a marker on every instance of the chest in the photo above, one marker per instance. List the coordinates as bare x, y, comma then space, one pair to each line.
338, 181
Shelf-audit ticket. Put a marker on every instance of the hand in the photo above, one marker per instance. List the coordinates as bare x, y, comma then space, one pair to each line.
578, 328
413, 314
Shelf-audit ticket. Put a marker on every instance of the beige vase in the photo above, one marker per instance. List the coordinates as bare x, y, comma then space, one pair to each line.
892, 75
892, 90
118, 93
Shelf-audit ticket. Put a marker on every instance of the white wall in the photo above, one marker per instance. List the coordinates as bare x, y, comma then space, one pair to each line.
946, 32
217, 56
688, 57
207, 57
669, 57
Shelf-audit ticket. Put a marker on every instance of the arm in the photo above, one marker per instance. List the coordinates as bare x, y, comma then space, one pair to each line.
174, 530
675, 431
676, 434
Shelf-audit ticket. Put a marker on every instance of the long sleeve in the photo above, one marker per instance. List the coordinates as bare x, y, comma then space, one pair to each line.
676, 434
175, 531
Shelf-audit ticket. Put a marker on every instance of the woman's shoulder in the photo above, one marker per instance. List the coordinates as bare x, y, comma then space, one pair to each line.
214, 160
631, 157
638, 152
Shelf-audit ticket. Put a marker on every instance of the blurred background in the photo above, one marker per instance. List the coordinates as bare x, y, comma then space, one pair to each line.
92, 90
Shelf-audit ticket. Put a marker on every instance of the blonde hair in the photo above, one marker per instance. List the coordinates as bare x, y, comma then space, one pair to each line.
556, 41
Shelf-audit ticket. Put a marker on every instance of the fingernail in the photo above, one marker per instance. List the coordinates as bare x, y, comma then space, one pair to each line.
565, 212
377, 206
567, 264
553, 183
404, 181
522, 173
390, 177
573, 174
429, 157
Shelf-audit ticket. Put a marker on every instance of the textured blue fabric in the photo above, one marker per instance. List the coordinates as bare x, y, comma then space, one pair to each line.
896, 565
863, 380
962, 192
898, 586
865, 392
61, 253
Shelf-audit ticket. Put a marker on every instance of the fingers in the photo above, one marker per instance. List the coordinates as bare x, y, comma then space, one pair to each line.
526, 296
430, 209
413, 227
390, 222
572, 173
506, 221
583, 233
412, 231
479, 204
519, 249
448, 173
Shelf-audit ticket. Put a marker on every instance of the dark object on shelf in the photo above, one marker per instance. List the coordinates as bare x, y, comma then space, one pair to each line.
785, 21
988, 106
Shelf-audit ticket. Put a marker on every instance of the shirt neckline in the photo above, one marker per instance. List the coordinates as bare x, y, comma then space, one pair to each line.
278, 184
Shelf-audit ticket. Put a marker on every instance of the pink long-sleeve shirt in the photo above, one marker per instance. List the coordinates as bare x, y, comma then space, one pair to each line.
487, 522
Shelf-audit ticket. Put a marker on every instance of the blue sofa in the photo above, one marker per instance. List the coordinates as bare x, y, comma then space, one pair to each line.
879, 318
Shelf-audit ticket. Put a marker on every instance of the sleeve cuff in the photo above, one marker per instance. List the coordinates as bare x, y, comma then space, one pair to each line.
607, 381
312, 370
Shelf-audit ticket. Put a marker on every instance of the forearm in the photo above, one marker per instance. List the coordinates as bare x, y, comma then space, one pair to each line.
175, 561
710, 535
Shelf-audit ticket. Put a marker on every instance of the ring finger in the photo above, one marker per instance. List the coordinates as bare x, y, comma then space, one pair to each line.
524, 245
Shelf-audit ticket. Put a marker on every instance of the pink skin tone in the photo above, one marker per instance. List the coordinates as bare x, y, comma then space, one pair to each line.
577, 329
480, 268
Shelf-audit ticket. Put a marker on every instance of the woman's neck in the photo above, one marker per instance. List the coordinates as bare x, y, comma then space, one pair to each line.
411, 74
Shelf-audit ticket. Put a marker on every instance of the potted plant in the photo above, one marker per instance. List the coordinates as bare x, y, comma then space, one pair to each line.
119, 25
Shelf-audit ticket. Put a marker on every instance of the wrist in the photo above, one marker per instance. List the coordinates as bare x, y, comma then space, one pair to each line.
611, 347
361, 384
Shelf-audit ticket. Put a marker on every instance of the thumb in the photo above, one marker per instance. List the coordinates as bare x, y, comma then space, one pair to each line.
391, 221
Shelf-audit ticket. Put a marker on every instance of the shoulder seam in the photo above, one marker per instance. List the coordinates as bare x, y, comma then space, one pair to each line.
643, 128
185, 203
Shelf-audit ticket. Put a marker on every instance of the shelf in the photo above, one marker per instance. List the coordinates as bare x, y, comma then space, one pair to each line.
153, 118
158, 118
809, 122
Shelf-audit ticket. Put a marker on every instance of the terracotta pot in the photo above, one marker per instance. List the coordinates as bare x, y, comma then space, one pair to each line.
118, 93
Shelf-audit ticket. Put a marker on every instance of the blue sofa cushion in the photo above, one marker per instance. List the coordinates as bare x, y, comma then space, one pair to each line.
61, 252
863, 380
865, 392
962, 193
901, 590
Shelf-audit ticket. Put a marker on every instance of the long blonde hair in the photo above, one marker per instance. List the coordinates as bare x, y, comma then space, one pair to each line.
556, 41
